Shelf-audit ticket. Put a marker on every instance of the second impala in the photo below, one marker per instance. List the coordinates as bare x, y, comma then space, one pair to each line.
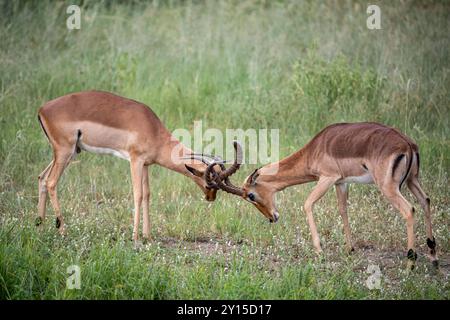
340, 154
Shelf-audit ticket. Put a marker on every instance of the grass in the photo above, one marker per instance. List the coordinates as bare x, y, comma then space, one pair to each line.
293, 66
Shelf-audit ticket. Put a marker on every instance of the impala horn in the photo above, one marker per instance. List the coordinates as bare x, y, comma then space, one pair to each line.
210, 161
220, 180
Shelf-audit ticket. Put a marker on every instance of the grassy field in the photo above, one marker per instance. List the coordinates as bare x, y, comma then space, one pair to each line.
290, 65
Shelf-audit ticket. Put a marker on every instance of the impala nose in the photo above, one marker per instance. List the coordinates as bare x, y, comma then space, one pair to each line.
275, 217
210, 196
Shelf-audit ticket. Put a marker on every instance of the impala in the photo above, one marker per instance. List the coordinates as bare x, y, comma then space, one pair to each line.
341, 154
102, 122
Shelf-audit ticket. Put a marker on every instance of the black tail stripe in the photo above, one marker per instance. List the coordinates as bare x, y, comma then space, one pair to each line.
396, 163
418, 161
43, 128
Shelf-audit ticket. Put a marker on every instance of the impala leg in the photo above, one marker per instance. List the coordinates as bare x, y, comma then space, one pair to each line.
321, 188
414, 185
42, 194
60, 162
136, 177
400, 203
145, 203
342, 196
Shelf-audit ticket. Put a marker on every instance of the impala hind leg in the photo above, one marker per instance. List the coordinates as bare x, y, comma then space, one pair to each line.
342, 196
137, 168
414, 185
42, 189
320, 189
60, 162
145, 203
401, 204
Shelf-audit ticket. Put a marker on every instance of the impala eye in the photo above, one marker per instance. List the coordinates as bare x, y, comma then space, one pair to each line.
251, 196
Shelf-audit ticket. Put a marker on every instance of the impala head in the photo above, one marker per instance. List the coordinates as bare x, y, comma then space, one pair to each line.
261, 195
198, 175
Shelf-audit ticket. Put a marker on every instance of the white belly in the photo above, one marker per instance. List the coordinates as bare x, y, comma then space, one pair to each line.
365, 179
118, 153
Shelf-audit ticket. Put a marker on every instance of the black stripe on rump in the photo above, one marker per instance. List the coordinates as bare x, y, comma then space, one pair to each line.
396, 163
418, 161
407, 170
42, 126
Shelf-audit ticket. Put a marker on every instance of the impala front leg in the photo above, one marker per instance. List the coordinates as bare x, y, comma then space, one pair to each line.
62, 159
136, 178
145, 203
321, 188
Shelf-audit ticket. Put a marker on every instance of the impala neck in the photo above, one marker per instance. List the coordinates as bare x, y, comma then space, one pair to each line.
287, 172
170, 155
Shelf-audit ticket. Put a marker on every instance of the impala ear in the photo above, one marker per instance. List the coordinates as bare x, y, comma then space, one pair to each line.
253, 177
194, 171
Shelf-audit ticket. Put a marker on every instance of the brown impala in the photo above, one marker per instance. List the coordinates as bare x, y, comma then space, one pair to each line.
341, 154
102, 122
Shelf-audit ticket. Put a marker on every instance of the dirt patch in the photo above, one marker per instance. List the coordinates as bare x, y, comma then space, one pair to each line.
203, 245
388, 260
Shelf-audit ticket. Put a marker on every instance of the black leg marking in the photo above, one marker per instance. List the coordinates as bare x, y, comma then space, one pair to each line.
413, 210
411, 255
38, 221
58, 222
428, 200
436, 264
432, 245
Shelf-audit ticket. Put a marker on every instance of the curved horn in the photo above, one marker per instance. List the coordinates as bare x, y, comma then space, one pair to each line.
197, 157
237, 161
209, 171
201, 157
218, 183
230, 188
221, 180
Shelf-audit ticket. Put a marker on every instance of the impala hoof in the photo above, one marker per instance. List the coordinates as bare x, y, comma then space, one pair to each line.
38, 221
435, 264
410, 265
146, 239
58, 223
412, 257
138, 245
274, 218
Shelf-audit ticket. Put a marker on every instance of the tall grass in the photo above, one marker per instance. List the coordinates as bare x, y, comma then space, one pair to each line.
292, 65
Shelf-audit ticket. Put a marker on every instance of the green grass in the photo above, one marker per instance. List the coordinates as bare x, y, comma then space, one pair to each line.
290, 65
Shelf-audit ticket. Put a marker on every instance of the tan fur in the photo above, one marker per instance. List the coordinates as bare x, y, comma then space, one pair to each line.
340, 154
104, 122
